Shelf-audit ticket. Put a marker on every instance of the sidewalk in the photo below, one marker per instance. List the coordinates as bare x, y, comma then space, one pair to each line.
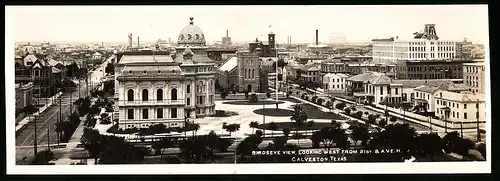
26, 120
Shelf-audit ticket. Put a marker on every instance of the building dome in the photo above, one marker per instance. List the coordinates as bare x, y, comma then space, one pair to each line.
191, 35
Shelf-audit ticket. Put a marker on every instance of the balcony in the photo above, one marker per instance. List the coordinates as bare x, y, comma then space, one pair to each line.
165, 102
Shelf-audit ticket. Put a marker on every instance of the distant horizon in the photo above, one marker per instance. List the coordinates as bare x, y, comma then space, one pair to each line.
354, 23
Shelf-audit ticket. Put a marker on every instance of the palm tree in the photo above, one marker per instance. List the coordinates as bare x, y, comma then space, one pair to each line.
91, 139
232, 128
300, 117
253, 125
360, 133
272, 126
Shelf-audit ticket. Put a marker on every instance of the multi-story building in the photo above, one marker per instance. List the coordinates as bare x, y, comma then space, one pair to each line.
24, 95
267, 49
311, 72
474, 77
242, 73
44, 78
425, 46
464, 49
430, 69
215, 53
465, 108
334, 82
156, 87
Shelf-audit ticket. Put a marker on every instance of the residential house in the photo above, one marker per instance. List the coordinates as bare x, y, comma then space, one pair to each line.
311, 72
24, 95
334, 82
465, 108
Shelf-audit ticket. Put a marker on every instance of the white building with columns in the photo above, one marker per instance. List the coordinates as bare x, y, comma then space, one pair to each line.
159, 87
425, 46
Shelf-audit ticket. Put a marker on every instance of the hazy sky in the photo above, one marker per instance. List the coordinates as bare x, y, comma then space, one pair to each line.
245, 23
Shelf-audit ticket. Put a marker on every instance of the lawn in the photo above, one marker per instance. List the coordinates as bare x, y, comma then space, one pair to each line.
245, 102
312, 112
293, 127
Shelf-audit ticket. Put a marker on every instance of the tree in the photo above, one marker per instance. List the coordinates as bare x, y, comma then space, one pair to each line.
393, 119
253, 98
340, 106
313, 99
224, 125
232, 128
347, 111
249, 144
110, 69
91, 139
366, 113
320, 101
358, 114
286, 131
161, 144
300, 117
382, 122
429, 144
371, 119
360, 133
268, 94
400, 136
253, 125
329, 104
272, 126
223, 95
194, 149
195, 127
330, 136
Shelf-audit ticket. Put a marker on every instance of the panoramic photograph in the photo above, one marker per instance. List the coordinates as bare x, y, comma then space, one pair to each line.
212, 85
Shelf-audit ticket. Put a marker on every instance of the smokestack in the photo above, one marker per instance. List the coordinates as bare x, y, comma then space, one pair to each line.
138, 45
130, 40
227, 33
316, 37
290, 40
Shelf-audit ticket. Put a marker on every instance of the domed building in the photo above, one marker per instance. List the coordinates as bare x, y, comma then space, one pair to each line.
163, 87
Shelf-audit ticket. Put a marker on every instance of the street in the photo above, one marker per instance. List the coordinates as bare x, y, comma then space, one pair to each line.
46, 122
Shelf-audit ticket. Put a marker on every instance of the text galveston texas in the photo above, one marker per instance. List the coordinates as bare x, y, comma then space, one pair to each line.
272, 84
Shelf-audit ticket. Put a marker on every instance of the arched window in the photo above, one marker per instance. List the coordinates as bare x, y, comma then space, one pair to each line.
145, 95
130, 95
210, 85
159, 94
173, 94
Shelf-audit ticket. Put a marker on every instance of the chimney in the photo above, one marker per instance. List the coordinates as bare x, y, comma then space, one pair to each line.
227, 33
316, 37
138, 45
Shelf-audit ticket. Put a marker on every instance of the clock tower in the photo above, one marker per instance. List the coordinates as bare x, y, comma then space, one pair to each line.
271, 40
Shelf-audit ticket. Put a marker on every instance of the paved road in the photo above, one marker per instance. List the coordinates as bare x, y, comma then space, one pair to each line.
47, 120
417, 127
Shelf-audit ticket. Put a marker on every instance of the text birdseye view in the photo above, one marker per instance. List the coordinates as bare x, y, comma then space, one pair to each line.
183, 91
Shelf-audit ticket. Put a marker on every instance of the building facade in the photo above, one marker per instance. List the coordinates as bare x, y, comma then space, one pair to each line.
24, 95
334, 83
430, 69
425, 46
474, 75
156, 87
466, 108
243, 74
266, 50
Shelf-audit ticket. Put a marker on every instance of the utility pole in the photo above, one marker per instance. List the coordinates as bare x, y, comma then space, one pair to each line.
60, 119
34, 145
477, 122
263, 117
48, 137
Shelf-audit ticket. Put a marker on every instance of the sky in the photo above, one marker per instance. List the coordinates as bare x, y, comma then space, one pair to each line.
245, 23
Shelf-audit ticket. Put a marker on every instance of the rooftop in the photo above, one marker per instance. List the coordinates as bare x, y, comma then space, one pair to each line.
462, 97
230, 64
138, 58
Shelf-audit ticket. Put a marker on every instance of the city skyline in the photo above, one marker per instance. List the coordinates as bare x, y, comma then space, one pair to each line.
358, 23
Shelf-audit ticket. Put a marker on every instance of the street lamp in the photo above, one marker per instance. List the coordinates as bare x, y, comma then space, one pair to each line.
446, 116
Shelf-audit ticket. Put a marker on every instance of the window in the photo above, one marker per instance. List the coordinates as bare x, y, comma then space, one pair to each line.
453, 105
428, 96
477, 106
188, 101
396, 91
388, 90
381, 91
173, 94
253, 73
130, 114
465, 115
159, 113
145, 113
159, 94
477, 115
130, 95
174, 112
145, 95
188, 88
